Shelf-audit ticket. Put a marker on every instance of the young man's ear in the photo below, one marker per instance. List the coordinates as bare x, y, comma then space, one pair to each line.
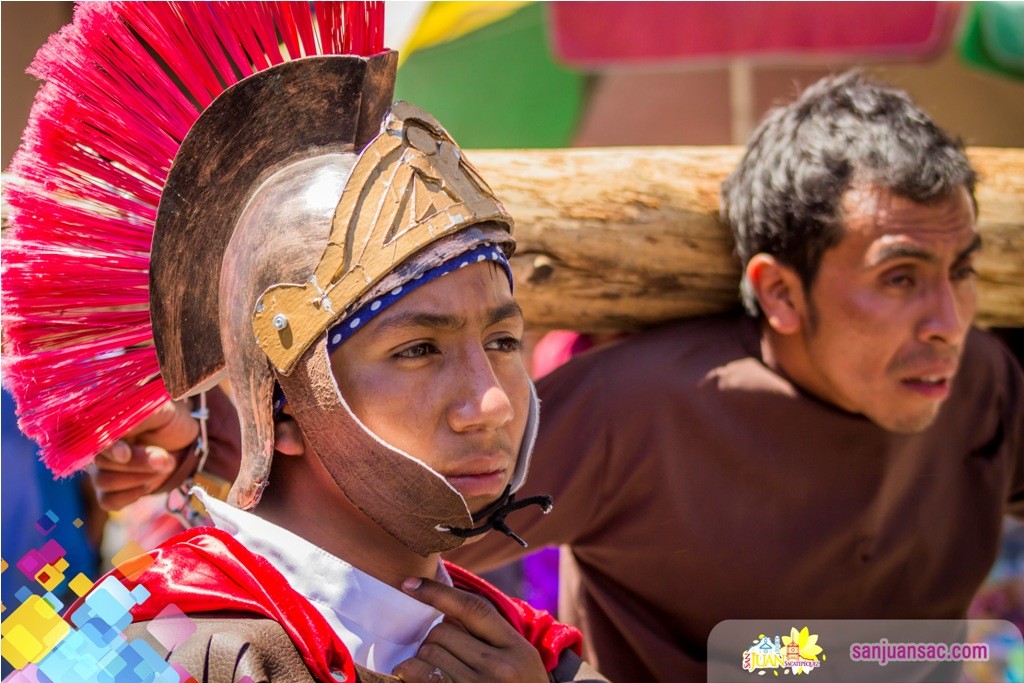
779, 293
288, 437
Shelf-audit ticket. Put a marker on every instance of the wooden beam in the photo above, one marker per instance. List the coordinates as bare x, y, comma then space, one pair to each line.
621, 238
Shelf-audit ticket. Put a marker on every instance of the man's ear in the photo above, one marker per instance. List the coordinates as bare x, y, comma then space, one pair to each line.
779, 293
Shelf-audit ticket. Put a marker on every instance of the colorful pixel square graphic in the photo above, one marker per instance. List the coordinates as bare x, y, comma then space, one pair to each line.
80, 584
31, 632
171, 627
47, 523
132, 560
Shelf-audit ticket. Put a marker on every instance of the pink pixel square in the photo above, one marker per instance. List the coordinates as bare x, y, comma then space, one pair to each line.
171, 627
52, 551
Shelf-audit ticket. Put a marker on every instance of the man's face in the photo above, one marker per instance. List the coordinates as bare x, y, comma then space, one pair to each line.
439, 376
892, 304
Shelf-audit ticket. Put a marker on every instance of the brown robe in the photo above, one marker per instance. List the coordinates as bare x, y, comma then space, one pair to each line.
693, 484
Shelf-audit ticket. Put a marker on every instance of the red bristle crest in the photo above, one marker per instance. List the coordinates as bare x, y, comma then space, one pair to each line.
267, 34
222, 23
376, 22
124, 83
353, 38
285, 23
304, 23
339, 30
244, 30
323, 27
197, 18
159, 24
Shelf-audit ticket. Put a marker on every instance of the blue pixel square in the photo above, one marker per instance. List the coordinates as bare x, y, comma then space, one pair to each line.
85, 668
148, 654
56, 665
24, 593
54, 601
112, 664
47, 522
139, 663
110, 601
140, 594
101, 634
83, 615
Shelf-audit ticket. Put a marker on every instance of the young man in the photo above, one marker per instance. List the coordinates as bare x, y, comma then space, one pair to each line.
338, 259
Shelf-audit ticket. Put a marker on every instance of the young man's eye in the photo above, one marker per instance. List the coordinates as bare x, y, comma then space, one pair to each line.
421, 350
899, 280
505, 344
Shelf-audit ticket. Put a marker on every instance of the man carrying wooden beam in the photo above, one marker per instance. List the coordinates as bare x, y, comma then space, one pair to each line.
847, 449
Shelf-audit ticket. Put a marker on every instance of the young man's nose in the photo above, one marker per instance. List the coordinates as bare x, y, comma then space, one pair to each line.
478, 399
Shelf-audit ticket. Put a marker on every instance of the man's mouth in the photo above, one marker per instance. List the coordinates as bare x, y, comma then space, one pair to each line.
934, 387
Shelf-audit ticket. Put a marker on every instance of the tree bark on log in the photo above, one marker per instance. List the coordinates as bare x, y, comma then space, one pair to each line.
622, 238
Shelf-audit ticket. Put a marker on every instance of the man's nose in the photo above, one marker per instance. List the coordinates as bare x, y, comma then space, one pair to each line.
948, 313
479, 402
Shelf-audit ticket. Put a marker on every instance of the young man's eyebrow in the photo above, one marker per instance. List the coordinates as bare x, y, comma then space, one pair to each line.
434, 321
445, 322
505, 311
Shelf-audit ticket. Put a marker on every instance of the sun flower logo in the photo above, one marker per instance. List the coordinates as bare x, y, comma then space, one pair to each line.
802, 650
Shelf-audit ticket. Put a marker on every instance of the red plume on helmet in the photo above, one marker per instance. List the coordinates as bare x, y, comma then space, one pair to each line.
123, 85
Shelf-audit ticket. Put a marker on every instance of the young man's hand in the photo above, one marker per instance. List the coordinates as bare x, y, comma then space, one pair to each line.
145, 458
474, 643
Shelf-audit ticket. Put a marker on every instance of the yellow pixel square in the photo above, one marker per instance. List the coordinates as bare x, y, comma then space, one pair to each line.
132, 560
3, 565
20, 647
61, 564
31, 632
78, 522
49, 577
80, 584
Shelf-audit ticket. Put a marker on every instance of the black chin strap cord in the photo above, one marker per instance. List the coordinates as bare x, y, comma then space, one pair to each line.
497, 511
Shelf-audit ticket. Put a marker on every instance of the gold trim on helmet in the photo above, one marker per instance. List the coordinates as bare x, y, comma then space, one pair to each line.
410, 187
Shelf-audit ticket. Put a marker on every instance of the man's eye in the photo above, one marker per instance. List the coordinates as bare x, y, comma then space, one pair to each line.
419, 351
964, 273
505, 344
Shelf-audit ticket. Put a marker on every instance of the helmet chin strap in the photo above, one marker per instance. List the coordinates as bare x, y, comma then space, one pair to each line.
496, 512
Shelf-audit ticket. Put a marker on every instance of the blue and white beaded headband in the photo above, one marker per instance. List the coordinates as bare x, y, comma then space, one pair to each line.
349, 325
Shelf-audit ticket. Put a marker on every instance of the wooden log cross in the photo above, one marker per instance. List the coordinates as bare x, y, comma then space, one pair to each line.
622, 238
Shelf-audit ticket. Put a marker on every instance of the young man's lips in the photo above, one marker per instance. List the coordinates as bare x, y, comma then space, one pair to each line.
479, 484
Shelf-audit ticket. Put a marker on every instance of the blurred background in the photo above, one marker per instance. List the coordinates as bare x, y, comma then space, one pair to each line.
517, 74
527, 75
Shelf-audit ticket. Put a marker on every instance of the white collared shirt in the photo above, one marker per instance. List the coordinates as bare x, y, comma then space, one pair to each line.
381, 626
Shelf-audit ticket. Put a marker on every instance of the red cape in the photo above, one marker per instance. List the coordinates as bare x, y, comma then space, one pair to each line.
207, 570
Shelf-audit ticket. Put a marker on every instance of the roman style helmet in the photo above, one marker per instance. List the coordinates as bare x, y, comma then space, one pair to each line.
291, 203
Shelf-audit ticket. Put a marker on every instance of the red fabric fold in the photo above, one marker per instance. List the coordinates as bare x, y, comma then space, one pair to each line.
206, 570
550, 637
